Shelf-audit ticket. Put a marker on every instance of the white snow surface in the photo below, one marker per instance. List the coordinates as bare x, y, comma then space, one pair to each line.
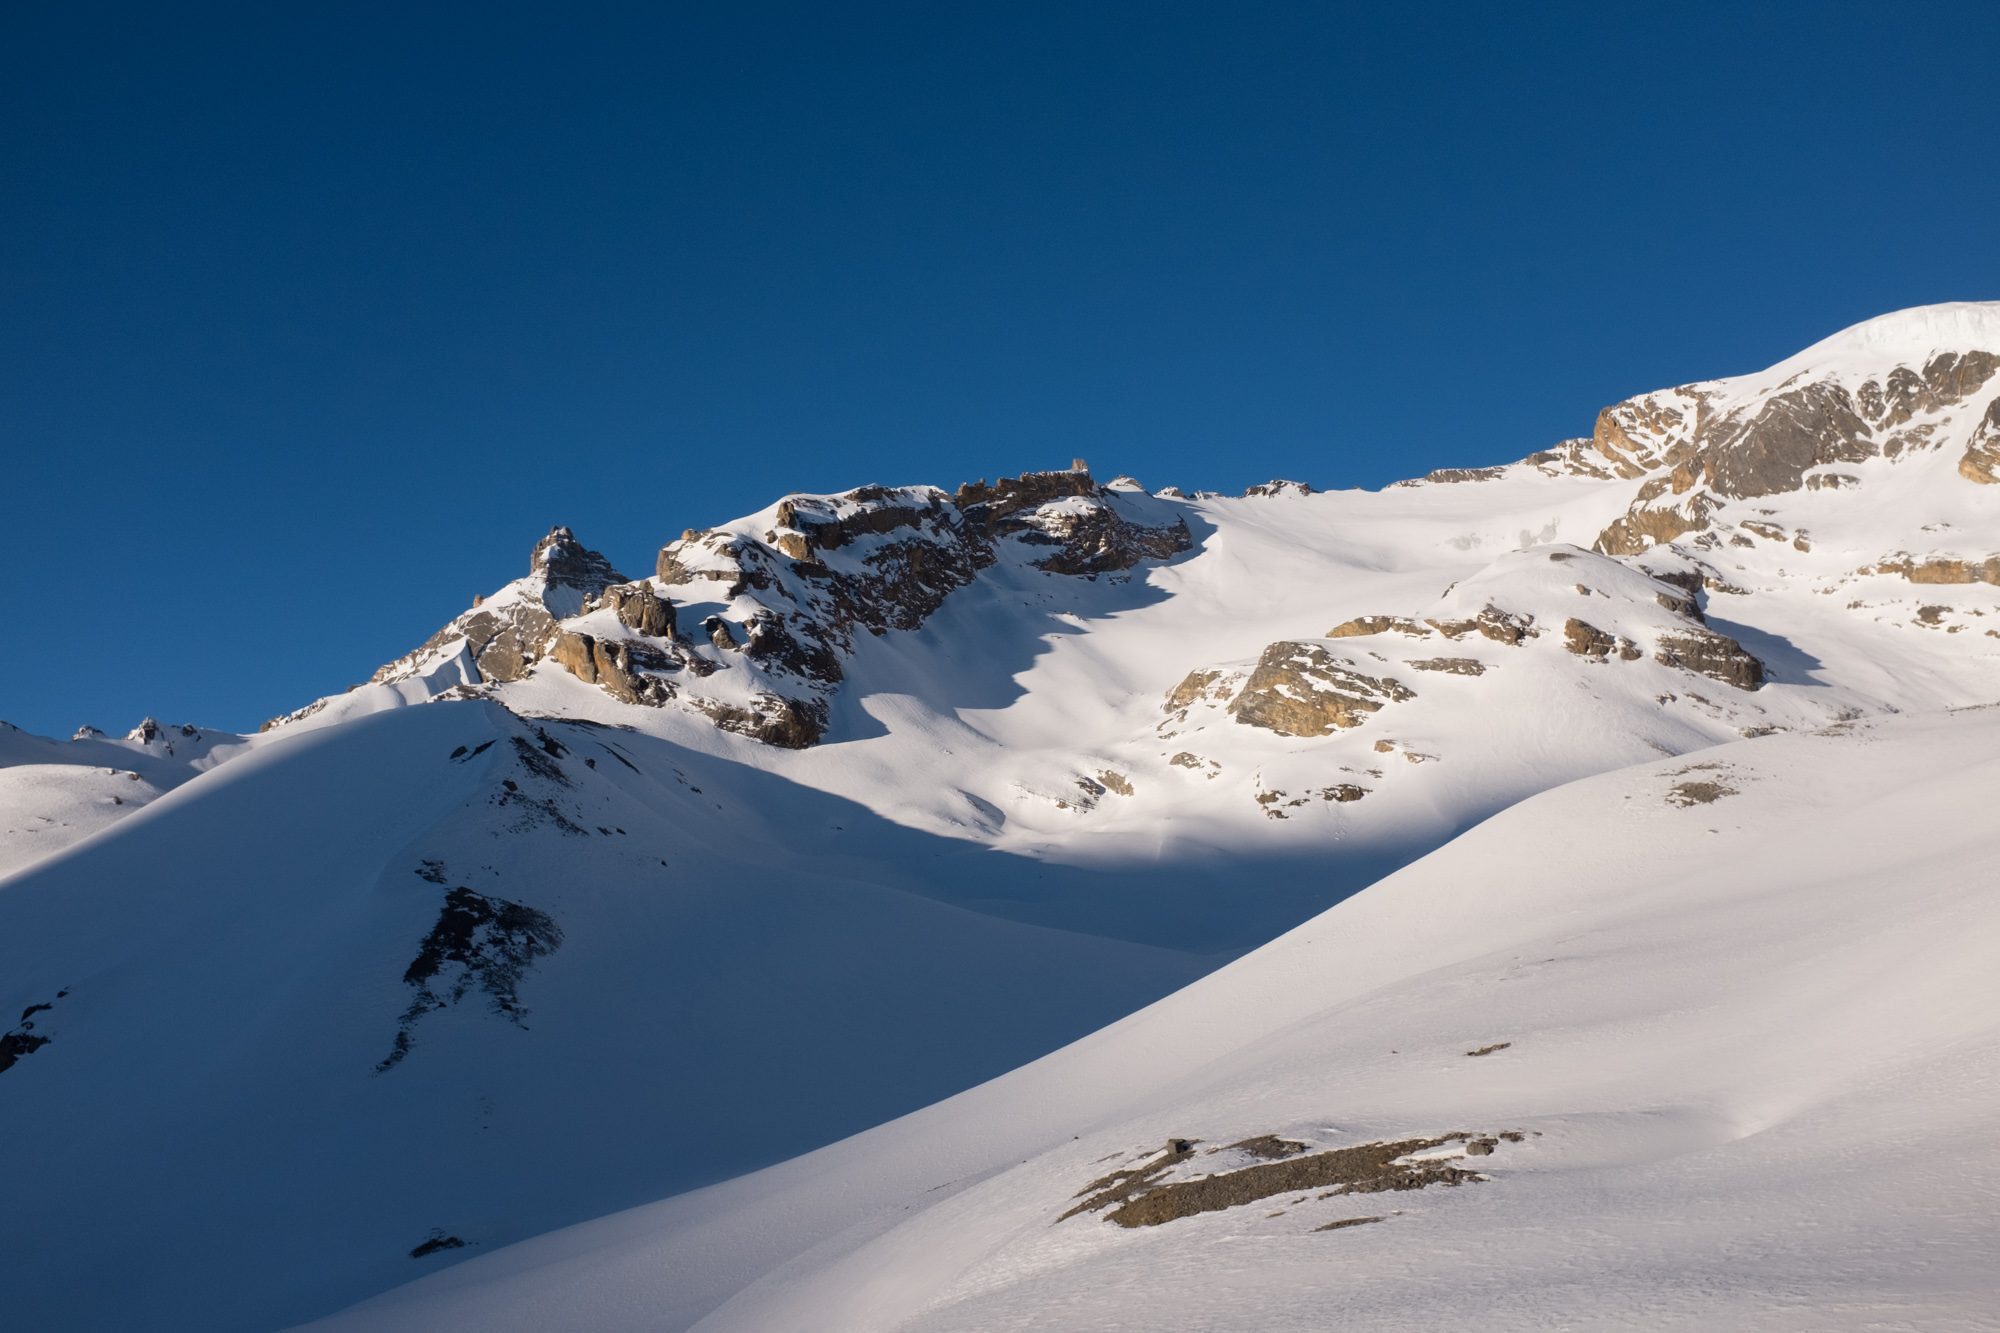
1752, 1046
55, 794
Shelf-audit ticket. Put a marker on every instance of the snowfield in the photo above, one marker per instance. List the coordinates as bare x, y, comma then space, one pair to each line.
1571, 881
1749, 1040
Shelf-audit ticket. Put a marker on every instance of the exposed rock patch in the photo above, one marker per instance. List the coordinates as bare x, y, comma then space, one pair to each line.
1300, 689
507, 635
479, 944
1140, 1198
789, 724
436, 1241
1707, 653
1341, 1224
1454, 666
1586, 640
641, 610
1698, 792
1362, 626
1981, 462
22, 1039
1938, 570
1198, 686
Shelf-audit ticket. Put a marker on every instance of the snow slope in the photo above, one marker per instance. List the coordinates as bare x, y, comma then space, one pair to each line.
617, 888
1751, 1035
439, 969
54, 794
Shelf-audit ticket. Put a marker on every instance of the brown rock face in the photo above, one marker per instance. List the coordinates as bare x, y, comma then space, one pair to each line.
985, 504
619, 667
1587, 640
719, 634
1707, 653
1940, 569
1631, 437
504, 641
642, 610
1455, 666
1770, 452
1645, 526
1775, 445
1301, 689
1504, 626
1194, 687
821, 527
1361, 626
789, 724
576, 654
1087, 540
1099, 541
1982, 456
567, 563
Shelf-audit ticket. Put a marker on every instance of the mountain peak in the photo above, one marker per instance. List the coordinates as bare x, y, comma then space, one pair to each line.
567, 563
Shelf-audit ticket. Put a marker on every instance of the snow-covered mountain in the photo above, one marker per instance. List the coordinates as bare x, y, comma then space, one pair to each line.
54, 794
1699, 1044
866, 798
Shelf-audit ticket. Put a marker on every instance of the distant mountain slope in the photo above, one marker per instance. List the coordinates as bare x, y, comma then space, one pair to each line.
1709, 1044
617, 887
54, 794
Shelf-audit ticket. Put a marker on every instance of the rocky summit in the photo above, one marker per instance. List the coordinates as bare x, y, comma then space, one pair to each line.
628, 885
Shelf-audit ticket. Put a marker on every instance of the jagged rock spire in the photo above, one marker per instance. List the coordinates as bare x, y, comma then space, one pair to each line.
566, 562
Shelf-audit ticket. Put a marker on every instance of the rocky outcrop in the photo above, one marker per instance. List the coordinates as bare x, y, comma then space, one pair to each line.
1641, 434
1586, 640
1981, 462
1769, 451
1491, 623
1452, 666
480, 945
1707, 653
1301, 689
1098, 540
1363, 626
627, 670
983, 503
1198, 686
641, 610
1447, 476
1646, 525
827, 525
22, 1039
1070, 513
565, 564
720, 634
506, 634
1698, 455
1277, 486
1938, 569
789, 724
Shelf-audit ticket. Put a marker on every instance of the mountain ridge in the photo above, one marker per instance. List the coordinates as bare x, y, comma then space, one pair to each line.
666, 881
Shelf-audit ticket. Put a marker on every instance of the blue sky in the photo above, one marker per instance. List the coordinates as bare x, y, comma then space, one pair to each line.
317, 317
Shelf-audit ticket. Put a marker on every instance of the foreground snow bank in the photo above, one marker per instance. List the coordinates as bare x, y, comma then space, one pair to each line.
1743, 1016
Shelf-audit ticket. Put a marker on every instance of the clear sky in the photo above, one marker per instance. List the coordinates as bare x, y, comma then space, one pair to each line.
317, 316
